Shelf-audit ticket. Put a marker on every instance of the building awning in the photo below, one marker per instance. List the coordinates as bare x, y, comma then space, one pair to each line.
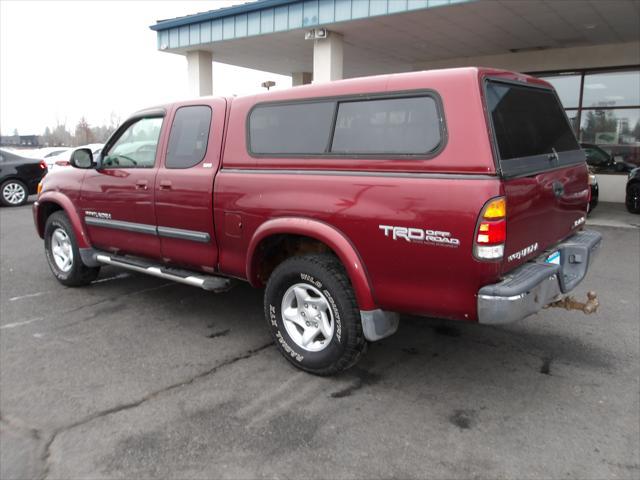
395, 35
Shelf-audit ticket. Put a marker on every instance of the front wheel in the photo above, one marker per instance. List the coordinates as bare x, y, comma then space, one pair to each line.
633, 198
313, 315
63, 254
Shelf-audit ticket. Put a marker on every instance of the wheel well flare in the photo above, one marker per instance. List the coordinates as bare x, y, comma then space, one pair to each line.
282, 238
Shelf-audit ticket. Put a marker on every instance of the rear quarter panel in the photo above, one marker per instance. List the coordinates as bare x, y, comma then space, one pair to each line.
405, 276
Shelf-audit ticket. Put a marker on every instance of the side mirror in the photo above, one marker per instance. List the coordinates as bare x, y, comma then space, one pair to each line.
82, 158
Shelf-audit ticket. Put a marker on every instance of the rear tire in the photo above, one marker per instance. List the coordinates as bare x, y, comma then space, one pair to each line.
63, 254
313, 316
633, 198
13, 193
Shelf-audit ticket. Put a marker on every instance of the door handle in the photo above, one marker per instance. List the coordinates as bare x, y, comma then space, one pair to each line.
165, 185
142, 184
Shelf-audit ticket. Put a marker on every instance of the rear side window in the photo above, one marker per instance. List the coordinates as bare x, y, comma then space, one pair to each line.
528, 121
380, 126
407, 126
301, 128
189, 136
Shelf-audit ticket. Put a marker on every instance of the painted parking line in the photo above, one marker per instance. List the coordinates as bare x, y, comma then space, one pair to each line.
115, 277
38, 294
29, 295
19, 324
39, 319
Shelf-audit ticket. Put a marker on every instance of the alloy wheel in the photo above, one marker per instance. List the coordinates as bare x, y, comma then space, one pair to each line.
307, 317
61, 249
14, 193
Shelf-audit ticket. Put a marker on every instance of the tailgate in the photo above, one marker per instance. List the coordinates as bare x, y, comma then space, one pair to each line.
545, 177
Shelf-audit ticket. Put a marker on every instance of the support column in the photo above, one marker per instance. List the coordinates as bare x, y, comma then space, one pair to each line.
327, 58
301, 78
199, 67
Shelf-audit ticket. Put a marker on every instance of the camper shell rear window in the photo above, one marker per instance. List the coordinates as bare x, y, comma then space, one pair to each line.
530, 129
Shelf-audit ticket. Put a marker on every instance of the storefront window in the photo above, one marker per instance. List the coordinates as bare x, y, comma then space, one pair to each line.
568, 88
608, 114
612, 89
573, 119
615, 131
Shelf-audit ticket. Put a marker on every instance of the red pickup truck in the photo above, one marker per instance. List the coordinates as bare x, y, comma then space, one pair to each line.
458, 194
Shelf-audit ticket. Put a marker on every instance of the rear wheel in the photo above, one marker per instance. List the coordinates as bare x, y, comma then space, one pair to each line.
63, 254
633, 198
13, 193
313, 315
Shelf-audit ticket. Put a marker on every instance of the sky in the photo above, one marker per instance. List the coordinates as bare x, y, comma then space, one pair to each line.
61, 60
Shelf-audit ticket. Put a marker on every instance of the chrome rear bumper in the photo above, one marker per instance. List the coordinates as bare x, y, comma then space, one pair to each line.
529, 288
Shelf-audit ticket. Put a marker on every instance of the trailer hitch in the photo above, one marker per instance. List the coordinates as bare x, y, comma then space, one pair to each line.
570, 303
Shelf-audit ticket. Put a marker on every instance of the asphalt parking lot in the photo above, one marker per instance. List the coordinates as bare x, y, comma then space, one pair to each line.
134, 377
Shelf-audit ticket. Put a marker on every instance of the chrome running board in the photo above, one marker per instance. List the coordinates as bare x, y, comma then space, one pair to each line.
206, 282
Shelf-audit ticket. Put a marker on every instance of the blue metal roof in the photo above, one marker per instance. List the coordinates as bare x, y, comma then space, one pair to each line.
220, 13
265, 17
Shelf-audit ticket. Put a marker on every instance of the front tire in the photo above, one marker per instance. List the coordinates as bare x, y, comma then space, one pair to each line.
633, 198
63, 254
13, 193
313, 316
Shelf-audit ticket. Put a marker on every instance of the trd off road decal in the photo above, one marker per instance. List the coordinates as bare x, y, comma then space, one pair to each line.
419, 235
91, 213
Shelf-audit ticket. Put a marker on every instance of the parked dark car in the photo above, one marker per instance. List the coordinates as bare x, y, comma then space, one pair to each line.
603, 162
632, 199
19, 178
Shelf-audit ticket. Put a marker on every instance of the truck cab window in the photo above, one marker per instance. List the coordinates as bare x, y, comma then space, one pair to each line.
189, 136
136, 147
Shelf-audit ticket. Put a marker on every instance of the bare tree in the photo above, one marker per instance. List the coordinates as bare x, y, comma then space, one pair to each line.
83, 134
60, 136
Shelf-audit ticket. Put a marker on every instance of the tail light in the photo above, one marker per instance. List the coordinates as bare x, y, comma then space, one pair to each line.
491, 230
43, 165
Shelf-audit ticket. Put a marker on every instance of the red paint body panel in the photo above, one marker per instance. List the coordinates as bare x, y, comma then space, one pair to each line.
64, 196
184, 197
536, 215
348, 203
116, 191
406, 277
